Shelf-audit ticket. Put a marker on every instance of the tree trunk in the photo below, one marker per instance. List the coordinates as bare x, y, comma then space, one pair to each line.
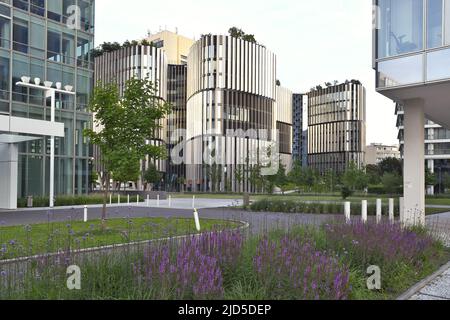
105, 199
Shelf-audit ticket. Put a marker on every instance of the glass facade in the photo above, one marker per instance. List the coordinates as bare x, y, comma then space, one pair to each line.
38, 40
413, 42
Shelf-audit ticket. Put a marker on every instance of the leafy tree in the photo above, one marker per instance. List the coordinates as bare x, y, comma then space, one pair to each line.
330, 180
145, 42
238, 33
354, 178
374, 174
430, 178
391, 182
391, 165
239, 176
124, 128
152, 175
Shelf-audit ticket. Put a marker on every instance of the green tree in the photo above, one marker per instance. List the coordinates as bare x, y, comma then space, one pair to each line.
392, 182
330, 180
152, 176
239, 176
430, 178
354, 179
125, 126
374, 174
391, 165
238, 33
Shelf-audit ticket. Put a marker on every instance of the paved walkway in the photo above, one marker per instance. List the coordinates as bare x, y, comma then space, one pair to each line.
435, 288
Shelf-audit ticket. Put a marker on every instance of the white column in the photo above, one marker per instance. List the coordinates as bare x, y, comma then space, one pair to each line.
414, 163
430, 189
364, 211
9, 155
52, 151
391, 210
379, 210
347, 211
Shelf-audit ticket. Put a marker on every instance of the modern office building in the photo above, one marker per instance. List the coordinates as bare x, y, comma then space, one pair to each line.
283, 125
300, 129
231, 87
39, 40
337, 127
141, 62
164, 63
377, 152
437, 149
412, 63
174, 45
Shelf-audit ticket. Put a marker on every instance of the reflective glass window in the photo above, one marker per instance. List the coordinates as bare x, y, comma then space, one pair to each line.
434, 24
401, 27
438, 65
401, 71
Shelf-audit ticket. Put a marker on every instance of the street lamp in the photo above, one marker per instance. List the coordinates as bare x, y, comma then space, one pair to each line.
49, 92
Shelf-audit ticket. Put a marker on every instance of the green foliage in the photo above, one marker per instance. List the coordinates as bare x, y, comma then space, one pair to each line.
430, 178
354, 179
346, 192
374, 174
391, 165
152, 175
238, 33
391, 182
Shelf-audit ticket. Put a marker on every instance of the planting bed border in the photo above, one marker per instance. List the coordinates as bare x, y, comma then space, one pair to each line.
244, 226
422, 284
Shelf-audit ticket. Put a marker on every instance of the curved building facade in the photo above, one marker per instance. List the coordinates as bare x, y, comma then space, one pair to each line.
136, 61
231, 90
337, 127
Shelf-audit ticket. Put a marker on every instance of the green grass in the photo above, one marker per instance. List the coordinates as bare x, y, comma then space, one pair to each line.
35, 239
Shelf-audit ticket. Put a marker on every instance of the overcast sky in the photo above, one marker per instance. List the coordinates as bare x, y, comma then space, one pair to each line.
315, 41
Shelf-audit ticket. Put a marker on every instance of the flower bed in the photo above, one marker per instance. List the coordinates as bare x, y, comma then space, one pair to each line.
311, 263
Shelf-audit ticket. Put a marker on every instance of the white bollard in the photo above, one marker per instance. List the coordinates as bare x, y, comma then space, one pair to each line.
157, 200
128, 198
170, 201
402, 210
197, 220
85, 217
391, 210
137, 201
148, 200
110, 198
193, 202
379, 210
364, 211
347, 206
118, 199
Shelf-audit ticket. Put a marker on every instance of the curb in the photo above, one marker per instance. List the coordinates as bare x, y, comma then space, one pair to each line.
244, 226
422, 284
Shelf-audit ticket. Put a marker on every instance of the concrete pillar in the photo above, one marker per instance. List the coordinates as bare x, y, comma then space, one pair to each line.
391, 210
414, 163
9, 156
379, 210
430, 165
347, 208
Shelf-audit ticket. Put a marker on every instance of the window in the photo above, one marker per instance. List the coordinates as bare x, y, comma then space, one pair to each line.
20, 36
4, 77
4, 32
37, 39
21, 4
54, 10
402, 71
434, 25
38, 7
438, 65
54, 46
401, 29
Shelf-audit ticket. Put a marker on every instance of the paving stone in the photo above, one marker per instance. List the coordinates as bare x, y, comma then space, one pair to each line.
440, 287
424, 297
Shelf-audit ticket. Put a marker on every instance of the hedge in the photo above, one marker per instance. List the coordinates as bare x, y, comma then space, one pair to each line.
295, 206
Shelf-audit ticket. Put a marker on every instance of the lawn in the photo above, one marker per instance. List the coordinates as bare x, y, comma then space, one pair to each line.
327, 262
19, 241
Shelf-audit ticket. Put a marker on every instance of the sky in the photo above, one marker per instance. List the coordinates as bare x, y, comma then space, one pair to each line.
316, 41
